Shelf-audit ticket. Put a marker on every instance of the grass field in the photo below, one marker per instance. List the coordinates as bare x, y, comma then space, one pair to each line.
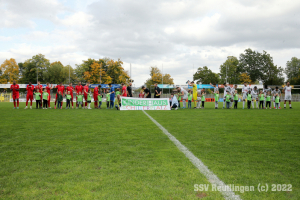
110, 154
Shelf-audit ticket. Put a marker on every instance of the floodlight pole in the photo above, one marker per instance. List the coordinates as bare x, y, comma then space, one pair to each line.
162, 78
69, 73
37, 78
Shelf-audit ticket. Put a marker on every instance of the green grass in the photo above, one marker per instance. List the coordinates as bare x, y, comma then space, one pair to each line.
110, 154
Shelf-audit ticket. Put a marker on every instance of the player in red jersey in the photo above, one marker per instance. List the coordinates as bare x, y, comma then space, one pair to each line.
30, 89
60, 88
78, 88
49, 88
85, 92
70, 89
96, 92
124, 90
39, 86
15, 89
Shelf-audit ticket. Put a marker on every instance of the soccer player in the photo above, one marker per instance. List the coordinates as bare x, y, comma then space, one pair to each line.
157, 91
184, 94
89, 99
45, 98
15, 89
232, 92
96, 93
60, 90
85, 93
287, 90
194, 85
112, 95
49, 88
39, 86
124, 90
216, 94
265, 91
227, 89
216, 88
190, 97
268, 100
174, 102
254, 94
79, 100
70, 89
274, 92
68, 98
78, 88
118, 102
38, 96
277, 97
245, 90
199, 100
249, 99
107, 99
236, 99
203, 98
228, 99
261, 99
29, 96
100, 96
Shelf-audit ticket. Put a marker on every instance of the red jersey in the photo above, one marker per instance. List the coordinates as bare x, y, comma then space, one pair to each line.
124, 89
40, 87
14, 88
70, 89
96, 91
85, 89
78, 88
141, 95
30, 89
60, 89
48, 89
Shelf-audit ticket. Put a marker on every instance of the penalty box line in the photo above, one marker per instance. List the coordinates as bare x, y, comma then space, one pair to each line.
211, 177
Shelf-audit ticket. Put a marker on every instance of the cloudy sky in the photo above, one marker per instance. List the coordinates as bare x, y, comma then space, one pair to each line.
174, 33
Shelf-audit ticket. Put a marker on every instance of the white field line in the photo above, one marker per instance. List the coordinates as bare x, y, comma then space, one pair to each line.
211, 177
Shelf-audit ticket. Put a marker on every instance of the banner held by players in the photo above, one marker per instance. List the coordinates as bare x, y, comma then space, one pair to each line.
144, 104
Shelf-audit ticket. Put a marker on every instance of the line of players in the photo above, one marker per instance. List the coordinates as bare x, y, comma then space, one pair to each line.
43, 94
255, 95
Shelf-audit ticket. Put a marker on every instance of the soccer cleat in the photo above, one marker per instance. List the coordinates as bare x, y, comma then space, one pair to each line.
72, 107
14, 108
54, 107
25, 107
30, 107
274, 107
284, 107
17, 107
176, 108
279, 107
290, 107
88, 108
76, 107
49, 107
45, 108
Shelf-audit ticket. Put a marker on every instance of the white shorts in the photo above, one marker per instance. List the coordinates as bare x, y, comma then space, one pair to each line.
288, 98
244, 96
254, 97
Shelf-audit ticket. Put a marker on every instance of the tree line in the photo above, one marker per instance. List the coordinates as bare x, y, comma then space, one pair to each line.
251, 67
39, 68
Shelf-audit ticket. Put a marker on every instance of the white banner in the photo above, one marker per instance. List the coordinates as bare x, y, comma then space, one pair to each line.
128, 103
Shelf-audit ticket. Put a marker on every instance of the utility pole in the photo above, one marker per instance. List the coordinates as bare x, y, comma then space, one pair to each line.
69, 73
100, 72
162, 78
37, 78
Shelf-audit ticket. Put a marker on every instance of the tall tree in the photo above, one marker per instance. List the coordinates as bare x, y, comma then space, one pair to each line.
244, 78
35, 68
249, 63
272, 75
94, 75
292, 70
9, 71
157, 77
205, 76
230, 69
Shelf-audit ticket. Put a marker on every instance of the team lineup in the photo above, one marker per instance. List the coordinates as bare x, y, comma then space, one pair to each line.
84, 95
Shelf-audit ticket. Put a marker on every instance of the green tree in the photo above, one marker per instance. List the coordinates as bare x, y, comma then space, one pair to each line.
205, 76
230, 68
250, 63
272, 75
35, 67
292, 70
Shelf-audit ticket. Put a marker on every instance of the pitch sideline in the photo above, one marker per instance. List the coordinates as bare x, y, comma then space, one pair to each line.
211, 177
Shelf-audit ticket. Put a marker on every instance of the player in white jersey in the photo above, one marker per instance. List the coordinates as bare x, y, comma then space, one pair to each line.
184, 95
245, 90
265, 91
216, 88
254, 94
232, 92
288, 94
274, 92
227, 88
